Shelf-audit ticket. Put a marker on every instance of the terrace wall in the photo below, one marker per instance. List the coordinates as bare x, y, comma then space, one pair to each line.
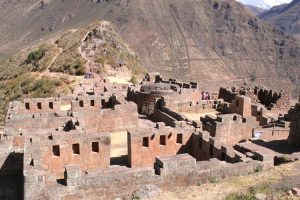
171, 171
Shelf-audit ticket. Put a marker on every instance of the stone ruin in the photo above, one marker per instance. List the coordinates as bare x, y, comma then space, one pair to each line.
64, 147
259, 95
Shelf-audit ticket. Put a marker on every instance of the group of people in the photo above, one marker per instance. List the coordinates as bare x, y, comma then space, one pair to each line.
205, 96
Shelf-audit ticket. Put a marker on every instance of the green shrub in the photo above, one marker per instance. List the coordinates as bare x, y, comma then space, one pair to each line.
213, 180
35, 56
135, 197
258, 168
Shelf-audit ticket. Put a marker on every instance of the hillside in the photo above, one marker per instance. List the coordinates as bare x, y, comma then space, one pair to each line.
205, 41
55, 66
285, 16
255, 10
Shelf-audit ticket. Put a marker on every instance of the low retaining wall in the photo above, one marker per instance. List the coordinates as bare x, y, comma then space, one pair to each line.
170, 172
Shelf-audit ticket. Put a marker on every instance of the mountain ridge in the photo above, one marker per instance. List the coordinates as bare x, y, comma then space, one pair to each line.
286, 16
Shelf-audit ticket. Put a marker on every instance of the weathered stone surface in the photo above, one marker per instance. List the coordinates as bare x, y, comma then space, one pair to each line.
260, 196
147, 192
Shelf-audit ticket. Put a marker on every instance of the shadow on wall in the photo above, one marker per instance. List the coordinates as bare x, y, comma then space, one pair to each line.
187, 148
11, 177
279, 146
121, 161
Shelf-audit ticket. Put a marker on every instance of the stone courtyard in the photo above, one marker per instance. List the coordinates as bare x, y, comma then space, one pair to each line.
107, 140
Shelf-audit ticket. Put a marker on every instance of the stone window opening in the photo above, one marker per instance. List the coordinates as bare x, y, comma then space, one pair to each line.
95, 147
92, 103
237, 103
76, 149
80, 103
32, 162
27, 106
51, 105
39, 105
30, 140
162, 140
56, 150
179, 139
145, 141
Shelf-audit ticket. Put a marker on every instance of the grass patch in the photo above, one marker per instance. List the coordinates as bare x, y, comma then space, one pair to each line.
213, 180
38, 60
276, 190
28, 86
134, 79
69, 60
259, 168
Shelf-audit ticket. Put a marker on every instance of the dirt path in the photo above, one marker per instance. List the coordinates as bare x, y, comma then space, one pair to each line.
221, 190
54, 58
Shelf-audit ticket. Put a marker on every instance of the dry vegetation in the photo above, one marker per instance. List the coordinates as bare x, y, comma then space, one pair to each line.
64, 55
35, 59
70, 60
275, 183
30, 86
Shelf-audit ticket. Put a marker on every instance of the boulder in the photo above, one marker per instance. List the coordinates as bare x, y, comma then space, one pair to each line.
147, 192
261, 196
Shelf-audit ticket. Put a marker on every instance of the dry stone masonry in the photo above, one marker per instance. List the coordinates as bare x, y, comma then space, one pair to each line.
170, 135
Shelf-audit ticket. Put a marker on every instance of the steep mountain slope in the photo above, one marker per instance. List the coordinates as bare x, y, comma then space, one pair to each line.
286, 16
206, 41
48, 68
255, 10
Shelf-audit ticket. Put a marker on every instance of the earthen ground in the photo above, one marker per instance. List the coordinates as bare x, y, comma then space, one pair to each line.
65, 107
283, 174
196, 116
118, 144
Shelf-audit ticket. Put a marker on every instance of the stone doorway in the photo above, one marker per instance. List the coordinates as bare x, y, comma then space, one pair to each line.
119, 149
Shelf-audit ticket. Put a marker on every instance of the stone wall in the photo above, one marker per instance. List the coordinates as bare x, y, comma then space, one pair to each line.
165, 117
145, 145
51, 152
259, 94
83, 103
230, 129
192, 106
241, 105
294, 116
146, 96
122, 117
170, 171
205, 147
39, 105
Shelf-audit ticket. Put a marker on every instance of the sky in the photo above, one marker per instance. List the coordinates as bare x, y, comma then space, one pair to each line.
266, 4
